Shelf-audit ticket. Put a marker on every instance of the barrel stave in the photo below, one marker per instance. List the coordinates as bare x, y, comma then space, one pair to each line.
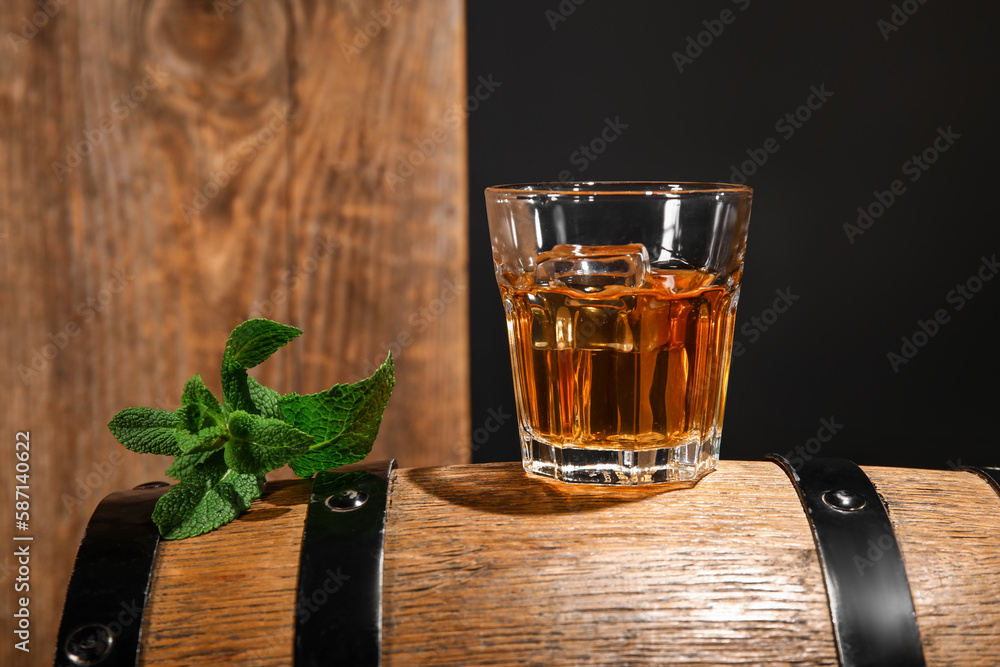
946, 524
228, 597
484, 565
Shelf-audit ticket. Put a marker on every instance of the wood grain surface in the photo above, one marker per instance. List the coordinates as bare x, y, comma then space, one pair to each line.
172, 167
246, 595
485, 566
946, 524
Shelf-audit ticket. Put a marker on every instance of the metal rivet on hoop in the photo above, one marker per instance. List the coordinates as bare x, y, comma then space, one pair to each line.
346, 501
150, 485
844, 501
89, 644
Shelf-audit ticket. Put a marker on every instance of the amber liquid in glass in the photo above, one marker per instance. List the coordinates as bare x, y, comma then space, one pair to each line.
621, 367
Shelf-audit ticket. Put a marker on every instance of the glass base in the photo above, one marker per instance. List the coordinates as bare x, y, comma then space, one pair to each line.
620, 467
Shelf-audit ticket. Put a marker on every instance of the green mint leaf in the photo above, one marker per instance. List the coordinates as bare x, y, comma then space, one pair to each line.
259, 444
209, 496
191, 417
185, 464
196, 393
199, 406
250, 344
264, 399
147, 430
205, 440
343, 420
223, 451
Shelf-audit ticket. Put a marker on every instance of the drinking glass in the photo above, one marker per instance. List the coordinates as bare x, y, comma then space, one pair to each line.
620, 300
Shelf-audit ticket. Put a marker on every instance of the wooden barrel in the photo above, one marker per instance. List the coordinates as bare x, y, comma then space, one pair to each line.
484, 565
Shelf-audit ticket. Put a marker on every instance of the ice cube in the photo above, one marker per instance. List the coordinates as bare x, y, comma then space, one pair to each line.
602, 328
593, 268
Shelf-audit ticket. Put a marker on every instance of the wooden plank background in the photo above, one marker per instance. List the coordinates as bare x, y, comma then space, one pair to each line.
170, 168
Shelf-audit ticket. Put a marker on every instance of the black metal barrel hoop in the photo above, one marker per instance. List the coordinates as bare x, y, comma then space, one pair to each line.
990, 473
106, 597
874, 621
343, 546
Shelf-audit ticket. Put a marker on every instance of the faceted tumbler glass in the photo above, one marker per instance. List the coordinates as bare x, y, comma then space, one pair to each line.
620, 300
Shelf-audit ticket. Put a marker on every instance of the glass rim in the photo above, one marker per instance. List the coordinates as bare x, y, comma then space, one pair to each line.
665, 189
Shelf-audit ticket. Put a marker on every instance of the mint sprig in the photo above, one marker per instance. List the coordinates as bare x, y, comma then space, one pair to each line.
223, 450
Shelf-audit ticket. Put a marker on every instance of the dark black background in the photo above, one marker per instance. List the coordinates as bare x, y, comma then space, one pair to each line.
826, 357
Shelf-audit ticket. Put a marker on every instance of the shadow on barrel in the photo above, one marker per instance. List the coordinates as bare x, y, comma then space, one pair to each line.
499, 488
